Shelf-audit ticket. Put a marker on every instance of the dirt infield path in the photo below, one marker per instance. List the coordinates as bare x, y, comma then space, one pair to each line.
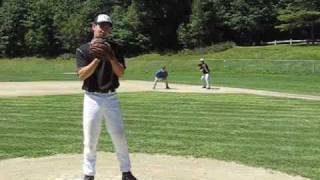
145, 166
9, 89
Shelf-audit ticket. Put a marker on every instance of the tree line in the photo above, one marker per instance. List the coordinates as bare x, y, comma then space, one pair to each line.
55, 27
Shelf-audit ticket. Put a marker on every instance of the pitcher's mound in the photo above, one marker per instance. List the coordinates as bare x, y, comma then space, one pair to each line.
145, 167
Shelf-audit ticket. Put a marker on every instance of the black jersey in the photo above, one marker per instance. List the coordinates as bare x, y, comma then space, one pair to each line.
103, 78
204, 68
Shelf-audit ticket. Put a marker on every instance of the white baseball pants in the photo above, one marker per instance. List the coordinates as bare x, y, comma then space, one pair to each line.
98, 106
206, 80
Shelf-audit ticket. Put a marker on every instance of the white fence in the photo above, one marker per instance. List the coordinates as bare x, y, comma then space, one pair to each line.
292, 41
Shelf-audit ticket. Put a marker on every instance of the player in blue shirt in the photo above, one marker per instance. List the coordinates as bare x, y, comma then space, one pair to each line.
161, 75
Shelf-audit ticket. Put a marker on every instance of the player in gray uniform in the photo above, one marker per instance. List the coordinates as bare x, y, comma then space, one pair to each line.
205, 78
100, 81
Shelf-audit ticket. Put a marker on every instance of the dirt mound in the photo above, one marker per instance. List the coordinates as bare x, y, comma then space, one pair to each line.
145, 167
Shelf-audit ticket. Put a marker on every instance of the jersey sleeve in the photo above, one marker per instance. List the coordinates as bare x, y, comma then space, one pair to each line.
118, 51
121, 60
207, 67
81, 59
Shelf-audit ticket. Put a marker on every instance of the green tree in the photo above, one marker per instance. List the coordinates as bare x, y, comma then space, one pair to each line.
161, 20
12, 29
73, 20
40, 35
249, 19
203, 27
126, 30
107, 6
300, 15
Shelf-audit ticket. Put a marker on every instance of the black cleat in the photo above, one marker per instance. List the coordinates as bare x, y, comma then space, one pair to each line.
128, 176
88, 177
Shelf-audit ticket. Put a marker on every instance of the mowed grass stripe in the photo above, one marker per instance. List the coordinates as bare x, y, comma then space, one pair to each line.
43, 139
161, 97
58, 120
241, 116
218, 114
242, 126
231, 105
240, 131
235, 135
239, 106
261, 141
242, 147
25, 131
261, 131
198, 131
179, 124
245, 109
238, 120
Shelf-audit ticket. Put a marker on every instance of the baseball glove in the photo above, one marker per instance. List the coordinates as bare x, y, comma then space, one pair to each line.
99, 48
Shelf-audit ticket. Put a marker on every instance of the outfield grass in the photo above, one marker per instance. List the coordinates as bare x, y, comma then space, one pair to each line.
187, 73
294, 69
268, 74
278, 52
37, 69
278, 133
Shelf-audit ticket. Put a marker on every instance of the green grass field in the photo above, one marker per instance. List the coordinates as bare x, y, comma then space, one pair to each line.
283, 68
278, 68
278, 133
36, 69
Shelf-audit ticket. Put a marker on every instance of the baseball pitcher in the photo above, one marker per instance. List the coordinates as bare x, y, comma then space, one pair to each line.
99, 65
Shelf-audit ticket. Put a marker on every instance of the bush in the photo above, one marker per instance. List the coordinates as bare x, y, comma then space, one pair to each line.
66, 56
219, 47
210, 49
